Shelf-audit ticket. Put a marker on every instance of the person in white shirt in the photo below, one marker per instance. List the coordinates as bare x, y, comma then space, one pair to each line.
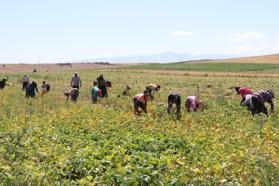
25, 80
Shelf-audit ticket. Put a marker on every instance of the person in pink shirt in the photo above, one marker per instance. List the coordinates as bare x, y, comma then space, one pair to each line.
194, 103
243, 91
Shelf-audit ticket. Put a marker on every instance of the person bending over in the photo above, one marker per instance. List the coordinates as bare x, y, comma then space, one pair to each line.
140, 101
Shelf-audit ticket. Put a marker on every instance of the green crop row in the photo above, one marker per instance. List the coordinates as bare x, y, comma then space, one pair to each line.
219, 67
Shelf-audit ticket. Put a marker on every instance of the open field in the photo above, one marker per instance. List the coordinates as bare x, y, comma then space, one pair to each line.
251, 74
49, 141
212, 67
267, 64
266, 59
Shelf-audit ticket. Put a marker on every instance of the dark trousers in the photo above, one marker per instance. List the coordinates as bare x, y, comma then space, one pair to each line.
75, 86
24, 84
178, 107
104, 91
94, 99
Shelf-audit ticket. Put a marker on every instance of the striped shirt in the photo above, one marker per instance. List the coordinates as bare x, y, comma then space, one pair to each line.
263, 96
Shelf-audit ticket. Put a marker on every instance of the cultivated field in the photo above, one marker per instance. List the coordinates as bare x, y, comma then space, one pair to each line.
50, 141
213, 67
267, 59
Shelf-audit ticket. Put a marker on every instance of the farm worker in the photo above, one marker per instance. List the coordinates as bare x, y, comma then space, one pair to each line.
126, 91
140, 100
152, 88
73, 93
102, 84
3, 83
194, 103
31, 89
76, 82
243, 91
45, 87
25, 80
256, 102
95, 92
266, 96
174, 98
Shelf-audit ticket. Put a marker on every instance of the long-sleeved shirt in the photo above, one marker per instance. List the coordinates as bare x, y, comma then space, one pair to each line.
193, 102
74, 92
244, 91
30, 90
3, 83
94, 92
25, 79
76, 81
46, 87
101, 83
140, 97
174, 98
152, 87
264, 96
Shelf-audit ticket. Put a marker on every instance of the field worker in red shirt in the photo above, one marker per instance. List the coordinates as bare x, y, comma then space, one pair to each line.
243, 91
140, 100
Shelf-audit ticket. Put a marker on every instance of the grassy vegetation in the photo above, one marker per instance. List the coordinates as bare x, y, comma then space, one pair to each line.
220, 67
49, 141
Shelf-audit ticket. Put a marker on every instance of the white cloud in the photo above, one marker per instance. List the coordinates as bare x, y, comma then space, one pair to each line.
245, 36
182, 33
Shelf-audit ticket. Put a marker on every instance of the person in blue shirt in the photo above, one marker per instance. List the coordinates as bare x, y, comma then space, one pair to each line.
95, 92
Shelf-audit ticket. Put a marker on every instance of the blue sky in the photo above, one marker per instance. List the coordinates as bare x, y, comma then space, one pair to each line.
68, 30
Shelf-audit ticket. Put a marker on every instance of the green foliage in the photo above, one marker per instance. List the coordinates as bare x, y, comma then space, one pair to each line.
48, 141
220, 67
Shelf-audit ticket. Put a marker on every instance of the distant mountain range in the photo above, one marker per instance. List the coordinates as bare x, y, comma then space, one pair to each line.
159, 58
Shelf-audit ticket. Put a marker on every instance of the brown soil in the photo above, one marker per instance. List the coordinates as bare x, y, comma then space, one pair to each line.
14, 68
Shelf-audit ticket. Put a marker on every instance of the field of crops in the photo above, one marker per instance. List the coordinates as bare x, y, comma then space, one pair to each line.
50, 141
216, 67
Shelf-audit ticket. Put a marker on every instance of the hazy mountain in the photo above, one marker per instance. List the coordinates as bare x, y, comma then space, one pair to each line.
159, 58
